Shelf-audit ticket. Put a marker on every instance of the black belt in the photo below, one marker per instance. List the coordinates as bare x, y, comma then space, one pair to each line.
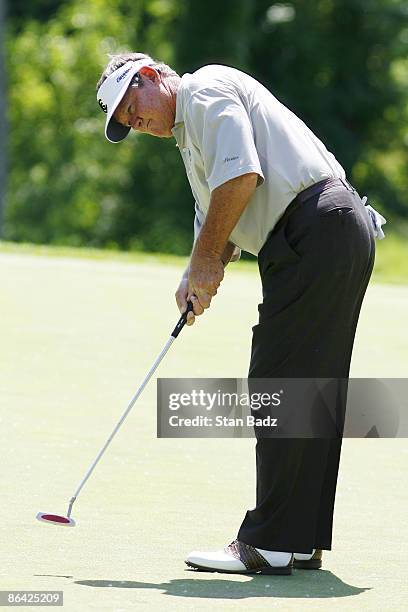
317, 188
308, 193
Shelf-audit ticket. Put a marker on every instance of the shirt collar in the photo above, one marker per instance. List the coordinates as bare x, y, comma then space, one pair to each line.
178, 129
179, 103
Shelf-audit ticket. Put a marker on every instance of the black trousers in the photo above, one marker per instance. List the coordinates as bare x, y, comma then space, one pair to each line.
315, 267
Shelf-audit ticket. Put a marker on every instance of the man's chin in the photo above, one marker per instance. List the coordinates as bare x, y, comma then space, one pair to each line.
160, 134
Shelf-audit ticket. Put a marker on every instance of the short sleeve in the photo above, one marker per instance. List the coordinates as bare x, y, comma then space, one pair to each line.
223, 133
198, 221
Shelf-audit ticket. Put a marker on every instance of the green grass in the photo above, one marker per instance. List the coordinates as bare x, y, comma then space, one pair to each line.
391, 264
78, 335
89, 253
391, 261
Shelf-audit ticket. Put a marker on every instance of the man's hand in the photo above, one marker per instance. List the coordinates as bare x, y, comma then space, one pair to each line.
183, 295
199, 284
182, 298
205, 274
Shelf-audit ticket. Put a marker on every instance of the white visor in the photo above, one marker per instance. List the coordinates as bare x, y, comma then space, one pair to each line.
111, 93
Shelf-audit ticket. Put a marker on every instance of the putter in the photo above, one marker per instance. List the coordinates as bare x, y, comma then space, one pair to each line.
67, 521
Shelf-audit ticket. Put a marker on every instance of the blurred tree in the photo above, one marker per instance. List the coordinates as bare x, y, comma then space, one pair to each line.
68, 184
331, 62
213, 32
61, 176
341, 66
21, 10
3, 129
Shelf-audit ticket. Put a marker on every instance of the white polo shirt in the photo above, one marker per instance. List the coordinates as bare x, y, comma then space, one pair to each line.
228, 124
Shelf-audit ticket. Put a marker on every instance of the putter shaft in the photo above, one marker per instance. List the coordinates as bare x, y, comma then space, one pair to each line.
123, 417
179, 326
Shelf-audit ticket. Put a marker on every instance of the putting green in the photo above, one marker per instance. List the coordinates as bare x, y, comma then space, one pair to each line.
77, 338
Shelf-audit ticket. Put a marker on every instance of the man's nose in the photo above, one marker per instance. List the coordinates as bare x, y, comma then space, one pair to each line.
138, 124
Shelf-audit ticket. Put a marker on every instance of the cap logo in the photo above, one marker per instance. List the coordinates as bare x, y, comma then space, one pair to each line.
103, 106
122, 76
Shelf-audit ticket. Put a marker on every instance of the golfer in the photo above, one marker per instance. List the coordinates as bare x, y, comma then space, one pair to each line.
263, 183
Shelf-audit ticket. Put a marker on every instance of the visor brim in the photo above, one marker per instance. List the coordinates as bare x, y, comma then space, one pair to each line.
115, 132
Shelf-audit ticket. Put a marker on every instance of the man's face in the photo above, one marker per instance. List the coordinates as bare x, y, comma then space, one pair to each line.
148, 107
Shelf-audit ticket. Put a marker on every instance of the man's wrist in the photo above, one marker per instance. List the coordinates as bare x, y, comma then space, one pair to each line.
207, 251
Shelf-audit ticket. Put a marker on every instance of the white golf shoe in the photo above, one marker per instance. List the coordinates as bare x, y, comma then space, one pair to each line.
303, 556
312, 560
241, 558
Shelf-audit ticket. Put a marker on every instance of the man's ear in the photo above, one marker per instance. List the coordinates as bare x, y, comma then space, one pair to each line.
150, 73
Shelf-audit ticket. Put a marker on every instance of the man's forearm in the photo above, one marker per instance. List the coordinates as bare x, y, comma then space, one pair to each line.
226, 206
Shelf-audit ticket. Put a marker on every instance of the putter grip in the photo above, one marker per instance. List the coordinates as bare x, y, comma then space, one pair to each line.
182, 321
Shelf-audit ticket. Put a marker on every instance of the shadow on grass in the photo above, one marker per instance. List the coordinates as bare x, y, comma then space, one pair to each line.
301, 584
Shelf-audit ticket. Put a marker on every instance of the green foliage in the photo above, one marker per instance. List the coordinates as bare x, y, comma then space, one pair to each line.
213, 32
21, 10
68, 185
342, 66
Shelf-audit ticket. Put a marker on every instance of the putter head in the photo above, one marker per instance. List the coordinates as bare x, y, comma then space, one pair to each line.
55, 519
